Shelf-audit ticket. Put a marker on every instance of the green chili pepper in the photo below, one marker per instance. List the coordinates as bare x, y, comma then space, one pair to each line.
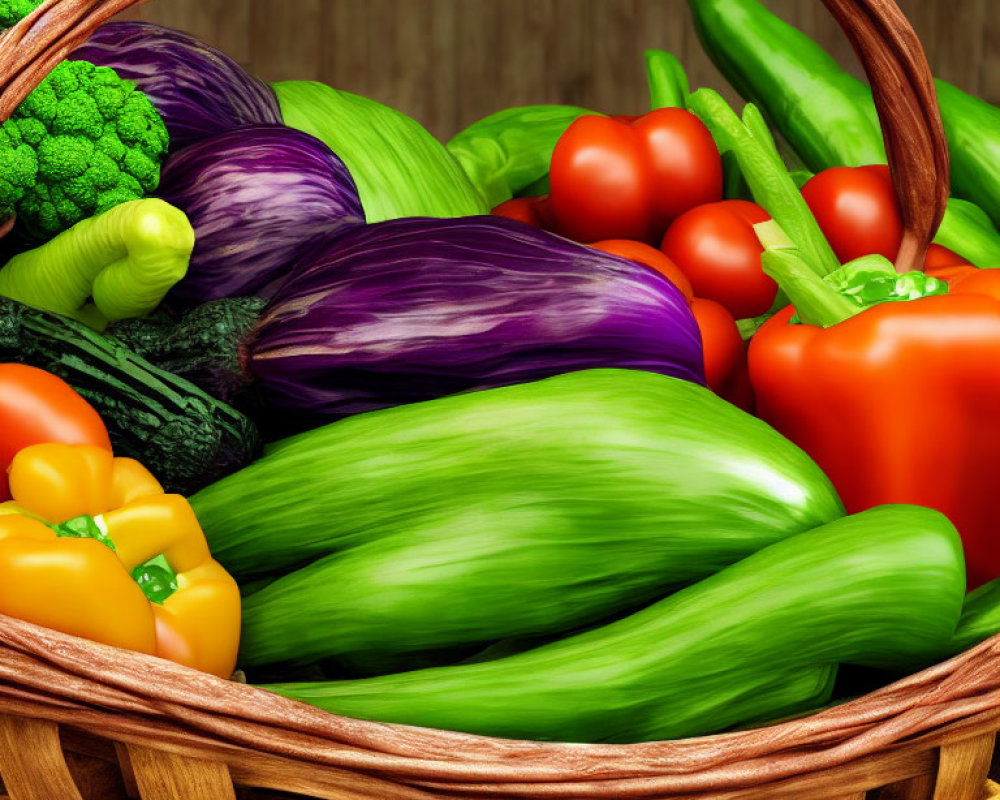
973, 130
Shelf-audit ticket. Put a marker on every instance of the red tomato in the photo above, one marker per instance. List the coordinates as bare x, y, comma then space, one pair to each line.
36, 407
725, 351
716, 247
534, 211
938, 256
648, 255
523, 209
858, 213
612, 179
856, 210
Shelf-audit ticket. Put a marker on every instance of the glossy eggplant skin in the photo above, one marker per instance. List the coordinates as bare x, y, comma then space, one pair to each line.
523, 510
880, 588
412, 309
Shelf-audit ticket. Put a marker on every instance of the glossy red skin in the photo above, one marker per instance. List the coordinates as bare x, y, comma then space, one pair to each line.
896, 406
36, 407
534, 211
938, 256
642, 253
726, 370
523, 209
613, 179
716, 247
856, 210
724, 351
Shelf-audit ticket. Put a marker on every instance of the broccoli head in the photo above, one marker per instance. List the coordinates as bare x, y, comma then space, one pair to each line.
13, 11
82, 142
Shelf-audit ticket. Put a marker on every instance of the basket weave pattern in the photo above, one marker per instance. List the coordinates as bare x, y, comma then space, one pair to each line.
171, 733
931, 735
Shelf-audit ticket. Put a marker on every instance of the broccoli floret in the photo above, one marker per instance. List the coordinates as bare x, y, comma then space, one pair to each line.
84, 141
13, 11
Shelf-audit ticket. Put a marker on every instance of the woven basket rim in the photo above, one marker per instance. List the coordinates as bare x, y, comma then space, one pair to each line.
125, 695
121, 694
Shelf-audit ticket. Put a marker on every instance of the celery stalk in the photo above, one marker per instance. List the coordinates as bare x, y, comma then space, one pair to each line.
765, 174
668, 83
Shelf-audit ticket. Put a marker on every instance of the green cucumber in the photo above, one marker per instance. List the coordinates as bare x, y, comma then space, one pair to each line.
881, 588
657, 476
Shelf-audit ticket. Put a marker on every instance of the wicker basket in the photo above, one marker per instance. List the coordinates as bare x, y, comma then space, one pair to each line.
81, 721
75, 712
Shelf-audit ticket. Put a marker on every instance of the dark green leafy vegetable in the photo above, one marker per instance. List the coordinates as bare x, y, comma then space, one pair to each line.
186, 438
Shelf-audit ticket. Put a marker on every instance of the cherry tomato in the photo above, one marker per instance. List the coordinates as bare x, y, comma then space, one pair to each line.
37, 406
726, 370
523, 209
938, 256
617, 179
643, 253
534, 211
716, 247
856, 210
858, 213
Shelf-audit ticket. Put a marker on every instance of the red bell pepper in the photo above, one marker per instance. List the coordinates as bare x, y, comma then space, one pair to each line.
628, 179
896, 406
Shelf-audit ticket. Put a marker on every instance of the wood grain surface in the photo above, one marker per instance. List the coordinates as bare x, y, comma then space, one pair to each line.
450, 62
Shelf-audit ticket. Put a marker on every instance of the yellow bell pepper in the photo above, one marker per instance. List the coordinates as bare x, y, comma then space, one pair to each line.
91, 546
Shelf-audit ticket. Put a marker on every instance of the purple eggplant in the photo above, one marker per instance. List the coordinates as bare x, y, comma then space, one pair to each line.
411, 309
258, 198
198, 90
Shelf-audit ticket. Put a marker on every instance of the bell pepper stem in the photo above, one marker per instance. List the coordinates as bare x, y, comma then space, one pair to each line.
769, 181
668, 83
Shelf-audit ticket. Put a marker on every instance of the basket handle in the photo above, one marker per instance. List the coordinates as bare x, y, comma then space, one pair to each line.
906, 101
36, 44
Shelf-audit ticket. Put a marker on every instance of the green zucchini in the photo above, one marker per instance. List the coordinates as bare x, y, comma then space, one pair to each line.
631, 473
186, 438
882, 588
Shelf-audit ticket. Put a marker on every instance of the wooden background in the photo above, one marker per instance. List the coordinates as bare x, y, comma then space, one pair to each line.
450, 62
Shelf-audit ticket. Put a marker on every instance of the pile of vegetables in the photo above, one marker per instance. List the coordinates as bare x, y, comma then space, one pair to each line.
578, 427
